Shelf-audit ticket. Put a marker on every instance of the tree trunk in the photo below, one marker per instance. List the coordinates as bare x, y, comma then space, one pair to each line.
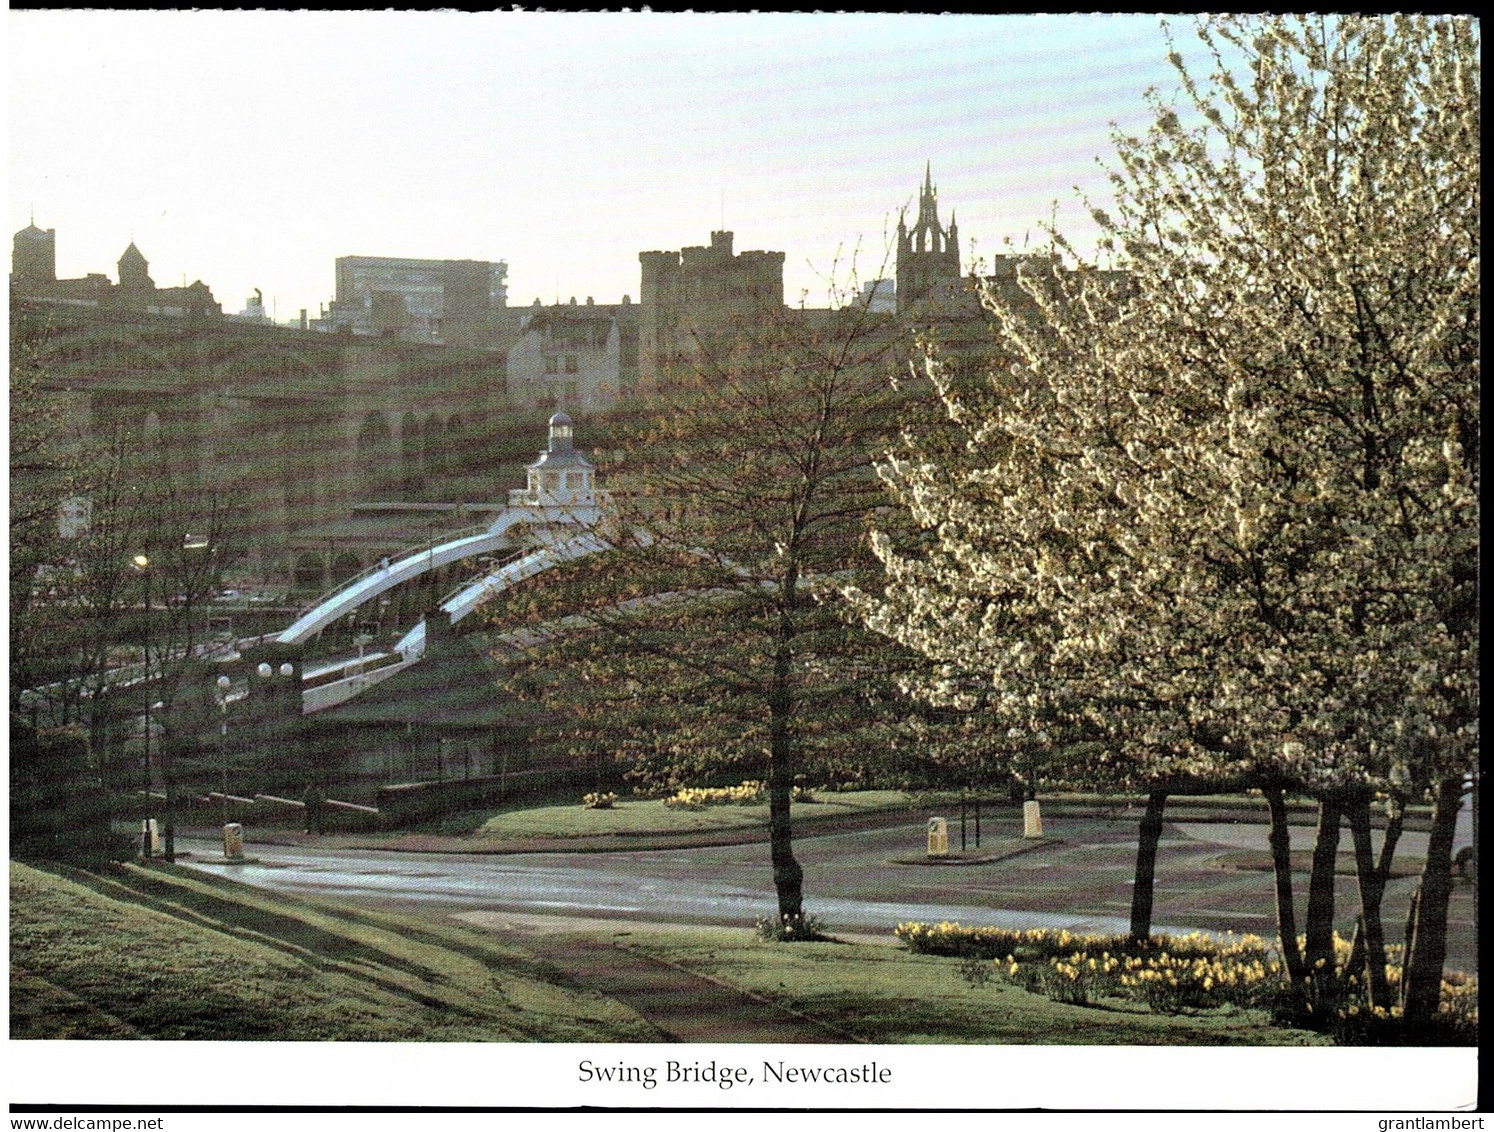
1146, 866
1406, 938
1473, 804
1393, 828
1281, 864
788, 877
1320, 892
1368, 957
1421, 981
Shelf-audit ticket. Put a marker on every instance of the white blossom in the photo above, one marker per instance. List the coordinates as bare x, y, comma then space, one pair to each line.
1232, 519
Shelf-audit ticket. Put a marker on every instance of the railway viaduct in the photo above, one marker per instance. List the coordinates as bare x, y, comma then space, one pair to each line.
300, 425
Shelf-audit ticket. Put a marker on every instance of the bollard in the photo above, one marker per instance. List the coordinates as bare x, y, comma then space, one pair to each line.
150, 837
1032, 819
233, 841
938, 837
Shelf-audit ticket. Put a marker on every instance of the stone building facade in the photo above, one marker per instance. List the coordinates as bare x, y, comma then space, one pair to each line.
575, 358
33, 278
298, 427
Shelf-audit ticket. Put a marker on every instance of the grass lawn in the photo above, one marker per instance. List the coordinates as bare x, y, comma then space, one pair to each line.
129, 951
644, 816
135, 951
888, 995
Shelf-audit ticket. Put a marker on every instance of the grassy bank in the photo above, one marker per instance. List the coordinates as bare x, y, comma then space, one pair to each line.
632, 822
887, 995
644, 816
152, 952
135, 952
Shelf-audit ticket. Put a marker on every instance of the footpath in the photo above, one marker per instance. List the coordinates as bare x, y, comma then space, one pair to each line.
681, 1005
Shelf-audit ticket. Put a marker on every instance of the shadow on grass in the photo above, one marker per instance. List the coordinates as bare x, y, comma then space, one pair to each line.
231, 916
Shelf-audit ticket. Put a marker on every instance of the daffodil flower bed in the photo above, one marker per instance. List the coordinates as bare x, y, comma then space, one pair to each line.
1047, 943
1173, 974
747, 794
598, 801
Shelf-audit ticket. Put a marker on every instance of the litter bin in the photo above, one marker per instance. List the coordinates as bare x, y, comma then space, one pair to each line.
938, 837
1032, 819
233, 841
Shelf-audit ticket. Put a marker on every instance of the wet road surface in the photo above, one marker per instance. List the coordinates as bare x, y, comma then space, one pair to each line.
866, 881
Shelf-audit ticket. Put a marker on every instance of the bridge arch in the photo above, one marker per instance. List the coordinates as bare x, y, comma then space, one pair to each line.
346, 566
310, 571
374, 435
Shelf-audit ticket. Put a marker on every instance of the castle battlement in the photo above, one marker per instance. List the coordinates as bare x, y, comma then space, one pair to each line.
694, 294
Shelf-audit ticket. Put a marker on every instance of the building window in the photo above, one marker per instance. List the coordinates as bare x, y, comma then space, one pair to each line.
570, 365
550, 366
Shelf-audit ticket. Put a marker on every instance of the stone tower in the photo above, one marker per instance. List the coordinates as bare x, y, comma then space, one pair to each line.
134, 272
928, 255
693, 301
33, 257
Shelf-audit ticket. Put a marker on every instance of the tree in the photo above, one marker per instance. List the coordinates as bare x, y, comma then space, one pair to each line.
43, 472
189, 534
1225, 511
107, 611
750, 486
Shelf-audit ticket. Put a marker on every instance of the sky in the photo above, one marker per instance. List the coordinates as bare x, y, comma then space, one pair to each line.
251, 149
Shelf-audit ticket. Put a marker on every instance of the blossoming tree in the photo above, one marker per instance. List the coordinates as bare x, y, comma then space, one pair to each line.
1224, 511
746, 482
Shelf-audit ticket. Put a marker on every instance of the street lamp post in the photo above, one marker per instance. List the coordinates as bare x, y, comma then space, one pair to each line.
190, 542
223, 686
275, 693
141, 564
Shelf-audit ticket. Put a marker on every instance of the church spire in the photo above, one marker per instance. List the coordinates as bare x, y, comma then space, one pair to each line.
927, 234
927, 255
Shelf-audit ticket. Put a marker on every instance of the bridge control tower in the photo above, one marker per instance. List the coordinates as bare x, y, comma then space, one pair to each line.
561, 477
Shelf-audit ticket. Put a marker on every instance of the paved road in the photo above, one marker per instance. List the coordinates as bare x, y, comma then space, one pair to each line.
1081, 881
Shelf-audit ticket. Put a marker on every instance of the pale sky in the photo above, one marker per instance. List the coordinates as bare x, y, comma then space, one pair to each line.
251, 149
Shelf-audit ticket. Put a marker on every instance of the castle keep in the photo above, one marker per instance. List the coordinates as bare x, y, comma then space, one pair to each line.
694, 298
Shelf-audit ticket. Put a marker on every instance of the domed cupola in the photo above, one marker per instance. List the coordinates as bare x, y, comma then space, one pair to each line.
561, 476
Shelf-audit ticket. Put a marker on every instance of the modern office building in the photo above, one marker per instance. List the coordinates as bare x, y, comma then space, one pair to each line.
453, 302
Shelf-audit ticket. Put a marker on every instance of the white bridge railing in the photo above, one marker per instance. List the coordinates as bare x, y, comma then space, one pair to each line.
411, 648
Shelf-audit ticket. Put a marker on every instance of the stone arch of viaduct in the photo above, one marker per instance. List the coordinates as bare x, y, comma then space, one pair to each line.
300, 425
